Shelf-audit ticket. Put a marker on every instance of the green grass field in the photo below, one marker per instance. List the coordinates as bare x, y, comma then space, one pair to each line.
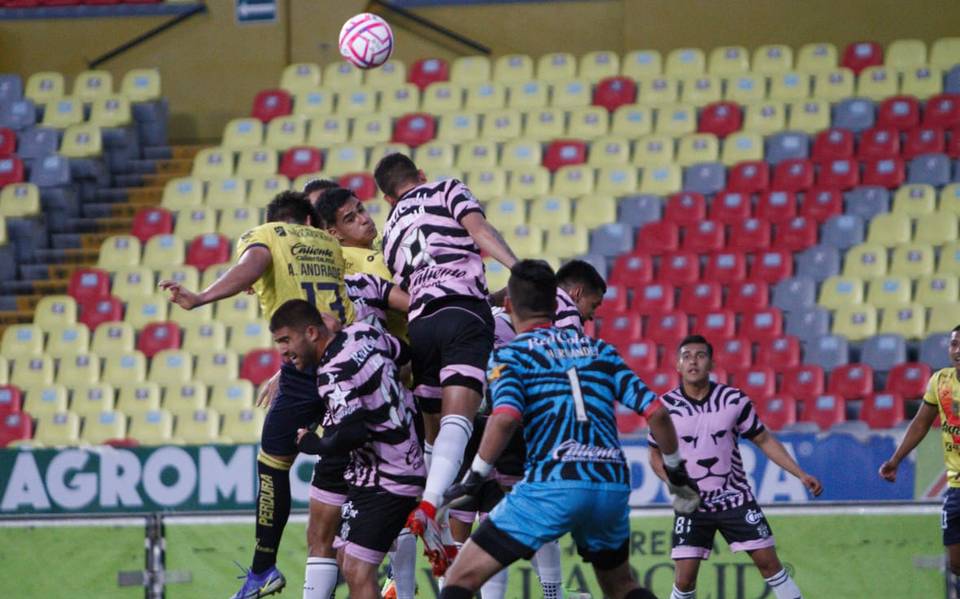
831, 556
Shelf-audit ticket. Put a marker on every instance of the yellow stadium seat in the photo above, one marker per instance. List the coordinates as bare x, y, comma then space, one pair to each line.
654, 150
257, 162
907, 320
434, 154
642, 63
507, 213
345, 158
525, 240
300, 76
521, 153
78, 370
745, 87
69, 341
263, 189
527, 95
132, 281
355, 102
943, 318
949, 199
22, 341
571, 93
171, 366
529, 182
378, 210
232, 396
486, 95
765, 117
245, 337
286, 132
595, 210
4, 371
501, 125
817, 58
215, 366
936, 228
458, 127
698, 147
574, 180
497, 274
327, 131
32, 371
194, 222
477, 154
151, 428
945, 52
889, 229
392, 72
487, 182
659, 91
877, 82
399, 99
371, 129
141, 85
556, 66
470, 69
138, 398
676, 120
124, 367
617, 180
204, 336
566, 241
661, 179
741, 146
442, 97
229, 192
588, 122
728, 60
55, 311
182, 192
609, 151
242, 133
545, 124
789, 86
631, 121
701, 90
937, 289
93, 85
112, 338
60, 113
888, 291
234, 222
163, 250
45, 86
44, 399
834, 85
311, 103
19, 200
340, 74
212, 163
102, 427
512, 68
237, 310
82, 141
922, 82
770, 59
912, 260
112, 111
838, 291
198, 427
598, 65
144, 310
92, 398
905, 53
242, 426
915, 199
809, 116
866, 261
856, 323
551, 210
685, 61
55, 430
211, 274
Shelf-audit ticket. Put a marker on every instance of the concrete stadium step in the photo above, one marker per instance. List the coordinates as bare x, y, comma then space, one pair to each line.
20, 303
79, 257
109, 225
154, 180
8, 318
86, 241
39, 287
150, 195
47, 272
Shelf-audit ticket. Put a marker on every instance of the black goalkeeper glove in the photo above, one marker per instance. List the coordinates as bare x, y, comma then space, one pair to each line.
685, 491
469, 486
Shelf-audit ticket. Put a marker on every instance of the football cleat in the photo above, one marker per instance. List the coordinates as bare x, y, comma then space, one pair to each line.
260, 585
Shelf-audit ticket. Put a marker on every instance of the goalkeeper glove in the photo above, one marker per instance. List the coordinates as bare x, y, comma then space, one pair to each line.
686, 493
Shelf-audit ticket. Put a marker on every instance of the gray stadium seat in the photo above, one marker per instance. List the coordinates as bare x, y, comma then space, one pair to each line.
17, 115
787, 145
639, 209
38, 142
842, 231
828, 352
11, 87
611, 240
883, 352
866, 201
807, 324
52, 171
951, 81
855, 114
705, 177
933, 351
795, 293
598, 262
818, 263
933, 169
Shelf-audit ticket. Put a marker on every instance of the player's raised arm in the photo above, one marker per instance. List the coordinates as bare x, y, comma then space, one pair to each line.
918, 429
252, 264
488, 238
774, 449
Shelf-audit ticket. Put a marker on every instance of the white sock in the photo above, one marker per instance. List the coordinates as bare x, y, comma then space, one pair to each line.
427, 454
678, 594
546, 561
783, 586
321, 578
404, 563
496, 587
448, 450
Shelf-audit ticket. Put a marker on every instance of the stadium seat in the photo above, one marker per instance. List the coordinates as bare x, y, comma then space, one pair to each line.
676, 120
747, 296
933, 169
11, 171
11, 87
701, 90
213, 163
745, 88
56, 430
749, 235
613, 92
772, 266
883, 352
706, 177
908, 379
825, 411
216, 366
679, 268
933, 290
882, 410
78, 370
259, 365
313, 104
833, 144
913, 260
641, 63
429, 70
44, 399
92, 398
272, 103
414, 129
730, 208
851, 381
833, 85
11, 400
454, 127
821, 204
907, 320
300, 76
716, 325
758, 383
922, 82
147, 222
286, 132
793, 175
879, 142
667, 329
923, 140
69, 341
654, 150
776, 206
888, 291
138, 398
22, 341
621, 330
741, 147
856, 323
512, 68
877, 82
726, 268
778, 412
102, 310
705, 237
839, 291
900, 112
789, 86
632, 270
698, 298
659, 237
55, 311
195, 221
141, 85
18, 114
888, 173
781, 354
762, 325
158, 336
342, 75
130, 282
154, 427
116, 337
734, 354
102, 428
795, 293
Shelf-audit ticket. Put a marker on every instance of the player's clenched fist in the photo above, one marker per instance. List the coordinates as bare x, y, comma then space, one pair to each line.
888, 471
180, 295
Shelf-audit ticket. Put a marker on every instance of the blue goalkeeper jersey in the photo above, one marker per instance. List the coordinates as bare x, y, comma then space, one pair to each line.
562, 384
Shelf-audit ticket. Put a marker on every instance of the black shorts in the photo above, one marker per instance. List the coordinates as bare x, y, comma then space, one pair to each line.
950, 517
297, 405
370, 520
510, 463
328, 484
450, 344
745, 528
482, 503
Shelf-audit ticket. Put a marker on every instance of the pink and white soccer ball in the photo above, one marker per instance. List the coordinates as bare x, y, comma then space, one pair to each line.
366, 41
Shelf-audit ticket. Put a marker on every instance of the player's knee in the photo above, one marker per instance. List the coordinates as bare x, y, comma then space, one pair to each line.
354, 570
955, 565
319, 543
768, 565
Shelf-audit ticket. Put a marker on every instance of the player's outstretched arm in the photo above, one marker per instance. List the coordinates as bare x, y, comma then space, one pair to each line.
686, 493
774, 449
239, 277
917, 430
656, 463
488, 238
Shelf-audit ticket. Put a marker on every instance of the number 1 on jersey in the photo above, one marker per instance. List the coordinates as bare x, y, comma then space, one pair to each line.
579, 408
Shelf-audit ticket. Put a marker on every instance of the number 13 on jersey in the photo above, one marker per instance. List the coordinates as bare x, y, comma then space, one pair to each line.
336, 305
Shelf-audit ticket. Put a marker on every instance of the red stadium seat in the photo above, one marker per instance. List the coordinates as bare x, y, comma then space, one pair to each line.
11, 170
782, 354
8, 142
15, 427
882, 410
942, 111
796, 234
259, 365
888, 172
361, 184
703, 238
832, 144
10, 400
414, 129
879, 142
661, 380
841, 173
698, 298
820, 204
614, 301
658, 237
824, 411
667, 329
158, 336
720, 118
726, 268
717, 326
759, 382
751, 176
640, 356
629, 422
271, 103
150, 221
762, 325
429, 70
908, 379
208, 249
87, 284
733, 354
622, 330
793, 175
902, 112
778, 412
686, 208
730, 207
632, 270
719, 375
750, 235
614, 92
679, 268
652, 298
923, 140
804, 382
851, 381
777, 206
564, 152
860, 55
953, 146
301, 160
97, 312
772, 266
747, 296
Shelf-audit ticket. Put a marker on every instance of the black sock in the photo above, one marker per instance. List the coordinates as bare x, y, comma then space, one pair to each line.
452, 592
640, 593
273, 509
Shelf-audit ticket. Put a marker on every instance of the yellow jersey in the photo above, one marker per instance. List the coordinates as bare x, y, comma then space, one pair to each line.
370, 262
307, 264
943, 391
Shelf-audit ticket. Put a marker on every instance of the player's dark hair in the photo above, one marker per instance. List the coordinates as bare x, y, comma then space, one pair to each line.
319, 185
393, 171
956, 329
328, 203
579, 272
691, 339
289, 206
296, 314
532, 289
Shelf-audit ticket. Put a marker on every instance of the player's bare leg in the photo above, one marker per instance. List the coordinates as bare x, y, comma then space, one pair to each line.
773, 572
685, 578
473, 567
361, 576
322, 570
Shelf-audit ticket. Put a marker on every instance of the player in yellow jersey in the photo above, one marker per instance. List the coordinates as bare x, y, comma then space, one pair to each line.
943, 398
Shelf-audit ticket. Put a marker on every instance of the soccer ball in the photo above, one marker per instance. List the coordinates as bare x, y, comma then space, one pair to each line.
366, 41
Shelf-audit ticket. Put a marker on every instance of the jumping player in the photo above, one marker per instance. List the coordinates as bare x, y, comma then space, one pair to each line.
432, 243
561, 385
710, 418
943, 393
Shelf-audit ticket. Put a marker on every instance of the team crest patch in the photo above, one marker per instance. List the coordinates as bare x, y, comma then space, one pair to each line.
497, 371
